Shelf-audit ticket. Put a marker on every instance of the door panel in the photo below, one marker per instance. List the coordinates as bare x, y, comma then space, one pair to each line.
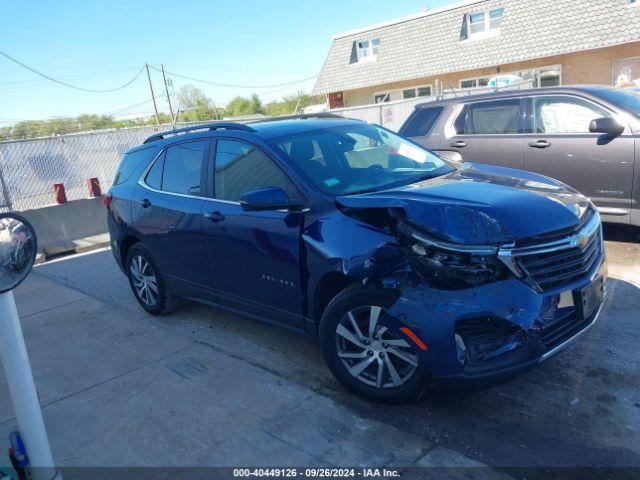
171, 227
603, 172
489, 132
167, 213
598, 166
254, 257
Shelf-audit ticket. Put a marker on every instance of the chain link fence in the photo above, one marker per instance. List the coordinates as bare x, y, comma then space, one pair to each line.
30, 168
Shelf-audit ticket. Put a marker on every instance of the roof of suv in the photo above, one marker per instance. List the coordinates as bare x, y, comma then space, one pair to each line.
279, 128
266, 129
588, 89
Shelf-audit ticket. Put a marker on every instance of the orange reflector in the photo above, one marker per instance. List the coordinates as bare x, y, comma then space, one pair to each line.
421, 345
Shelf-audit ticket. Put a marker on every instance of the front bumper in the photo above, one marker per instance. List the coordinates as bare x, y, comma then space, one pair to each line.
534, 327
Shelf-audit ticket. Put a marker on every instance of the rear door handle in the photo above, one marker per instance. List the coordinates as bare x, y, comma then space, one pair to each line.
540, 144
459, 144
214, 216
145, 203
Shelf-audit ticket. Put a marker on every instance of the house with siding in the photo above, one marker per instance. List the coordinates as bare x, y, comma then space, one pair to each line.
473, 44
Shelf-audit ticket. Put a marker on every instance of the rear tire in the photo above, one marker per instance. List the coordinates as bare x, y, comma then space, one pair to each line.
147, 281
364, 356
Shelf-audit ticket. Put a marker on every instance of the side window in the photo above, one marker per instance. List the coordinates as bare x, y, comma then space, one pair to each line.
241, 168
183, 167
154, 177
563, 114
421, 121
495, 117
129, 163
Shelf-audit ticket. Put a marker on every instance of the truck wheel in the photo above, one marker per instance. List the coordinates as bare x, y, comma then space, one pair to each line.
365, 356
147, 282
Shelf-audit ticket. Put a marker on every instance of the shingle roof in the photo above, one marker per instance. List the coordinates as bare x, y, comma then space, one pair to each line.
429, 43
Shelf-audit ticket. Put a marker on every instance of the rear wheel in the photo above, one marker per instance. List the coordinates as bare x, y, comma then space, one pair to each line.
147, 282
364, 355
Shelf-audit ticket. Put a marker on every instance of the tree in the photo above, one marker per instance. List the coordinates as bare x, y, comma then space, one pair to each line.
288, 105
240, 106
195, 105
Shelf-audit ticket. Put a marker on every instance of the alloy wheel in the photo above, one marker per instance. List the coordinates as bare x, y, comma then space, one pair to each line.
144, 280
371, 352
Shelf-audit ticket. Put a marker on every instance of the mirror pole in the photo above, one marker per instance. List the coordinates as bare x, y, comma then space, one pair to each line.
22, 388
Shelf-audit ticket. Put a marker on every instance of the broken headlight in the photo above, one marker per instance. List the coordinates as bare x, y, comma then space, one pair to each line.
453, 265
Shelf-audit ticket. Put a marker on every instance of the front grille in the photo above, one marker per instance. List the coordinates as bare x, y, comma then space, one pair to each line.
562, 329
557, 268
550, 265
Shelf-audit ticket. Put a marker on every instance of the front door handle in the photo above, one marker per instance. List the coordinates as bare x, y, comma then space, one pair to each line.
214, 216
540, 144
459, 144
145, 203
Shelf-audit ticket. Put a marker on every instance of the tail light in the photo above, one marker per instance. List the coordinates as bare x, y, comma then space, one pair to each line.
107, 200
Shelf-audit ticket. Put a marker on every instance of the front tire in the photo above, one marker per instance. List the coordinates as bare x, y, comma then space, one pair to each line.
365, 356
147, 282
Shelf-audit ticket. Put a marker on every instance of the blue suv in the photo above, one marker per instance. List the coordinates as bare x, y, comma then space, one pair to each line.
408, 269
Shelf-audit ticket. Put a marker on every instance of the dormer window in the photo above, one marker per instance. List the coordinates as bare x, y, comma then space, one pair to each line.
485, 23
368, 49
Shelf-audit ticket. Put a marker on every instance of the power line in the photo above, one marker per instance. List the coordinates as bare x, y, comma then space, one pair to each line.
68, 85
229, 85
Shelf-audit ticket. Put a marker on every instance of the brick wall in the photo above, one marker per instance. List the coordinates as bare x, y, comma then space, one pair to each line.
590, 67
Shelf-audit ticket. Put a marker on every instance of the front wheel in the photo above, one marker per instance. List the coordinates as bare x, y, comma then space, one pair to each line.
364, 355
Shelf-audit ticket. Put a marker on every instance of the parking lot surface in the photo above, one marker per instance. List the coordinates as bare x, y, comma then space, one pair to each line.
207, 388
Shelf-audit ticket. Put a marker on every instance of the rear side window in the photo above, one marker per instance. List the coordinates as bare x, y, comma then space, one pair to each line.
154, 177
421, 122
496, 117
183, 167
130, 161
179, 169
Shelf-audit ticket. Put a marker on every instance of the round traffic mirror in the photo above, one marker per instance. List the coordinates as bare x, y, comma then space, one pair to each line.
18, 246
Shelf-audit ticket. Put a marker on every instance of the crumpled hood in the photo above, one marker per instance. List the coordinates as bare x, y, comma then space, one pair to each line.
482, 204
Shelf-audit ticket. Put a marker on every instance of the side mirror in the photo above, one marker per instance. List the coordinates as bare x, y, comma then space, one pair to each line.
265, 199
18, 246
453, 157
607, 125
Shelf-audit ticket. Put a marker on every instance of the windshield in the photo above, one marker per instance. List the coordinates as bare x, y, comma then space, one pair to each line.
628, 100
359, 158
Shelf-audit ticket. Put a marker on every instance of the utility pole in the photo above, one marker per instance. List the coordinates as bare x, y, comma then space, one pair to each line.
153, 97
166, 89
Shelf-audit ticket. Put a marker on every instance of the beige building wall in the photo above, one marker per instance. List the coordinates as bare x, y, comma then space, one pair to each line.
590, 67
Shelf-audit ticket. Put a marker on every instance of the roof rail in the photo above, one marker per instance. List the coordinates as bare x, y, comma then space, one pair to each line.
301, 116
203, 126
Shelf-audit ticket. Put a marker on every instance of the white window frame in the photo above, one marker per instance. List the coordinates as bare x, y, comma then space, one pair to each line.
474, 79
534, 69
370, 53
488, 31
378, 94
613, 75
400, 91
415, 89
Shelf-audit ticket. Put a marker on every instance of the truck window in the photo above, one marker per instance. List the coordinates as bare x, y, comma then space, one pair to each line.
495, 117
563, 114
421, 122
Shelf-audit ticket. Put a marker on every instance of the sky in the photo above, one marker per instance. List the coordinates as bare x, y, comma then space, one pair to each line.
102, 44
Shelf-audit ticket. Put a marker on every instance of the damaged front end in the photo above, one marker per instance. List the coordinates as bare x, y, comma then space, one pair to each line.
447, 265
434, 277
477, 317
